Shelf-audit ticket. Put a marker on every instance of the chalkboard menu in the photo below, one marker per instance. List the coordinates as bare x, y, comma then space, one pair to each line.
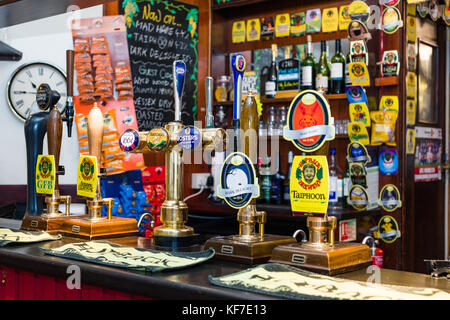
159, 32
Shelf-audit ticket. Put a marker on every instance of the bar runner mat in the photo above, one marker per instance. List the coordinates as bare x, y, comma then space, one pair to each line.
288, 282
19, 236
114, 255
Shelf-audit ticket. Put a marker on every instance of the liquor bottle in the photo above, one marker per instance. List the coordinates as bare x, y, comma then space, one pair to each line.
272, 129
308, 68
288, 72
345, 185
276, 192
282, 120
266, 181
259, 177
287, 180
348, 82
337, 70
271, 83
220, 119
323, 69
249, 124
262, 128
335, 182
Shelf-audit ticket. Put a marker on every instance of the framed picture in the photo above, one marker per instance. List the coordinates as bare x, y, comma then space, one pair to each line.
427, 68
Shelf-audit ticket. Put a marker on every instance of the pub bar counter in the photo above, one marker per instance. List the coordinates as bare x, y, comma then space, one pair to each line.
224, 149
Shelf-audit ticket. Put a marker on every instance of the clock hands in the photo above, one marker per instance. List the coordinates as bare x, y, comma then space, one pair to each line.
23, 92
34, 86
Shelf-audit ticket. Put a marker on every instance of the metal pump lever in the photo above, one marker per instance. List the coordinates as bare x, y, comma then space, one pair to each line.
179, 74
238, 64
95, 140
54, 138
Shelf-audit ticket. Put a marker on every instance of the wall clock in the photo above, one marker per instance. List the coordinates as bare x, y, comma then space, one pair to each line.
23, 84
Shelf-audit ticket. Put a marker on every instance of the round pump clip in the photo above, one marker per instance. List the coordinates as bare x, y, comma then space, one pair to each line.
46, 97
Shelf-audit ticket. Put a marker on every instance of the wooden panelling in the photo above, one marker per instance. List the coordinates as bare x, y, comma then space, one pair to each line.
17, 284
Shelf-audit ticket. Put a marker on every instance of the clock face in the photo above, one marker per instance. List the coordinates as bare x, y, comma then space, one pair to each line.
23, 84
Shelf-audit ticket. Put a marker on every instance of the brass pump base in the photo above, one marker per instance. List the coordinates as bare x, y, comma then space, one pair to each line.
176, 243
255, 252
322, 254
49, 224
51, 221
94, 226
341, 258
101, 228
248, 247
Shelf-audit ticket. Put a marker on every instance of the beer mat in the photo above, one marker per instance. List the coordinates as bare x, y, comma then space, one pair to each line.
19, 236
288, 282
114, 255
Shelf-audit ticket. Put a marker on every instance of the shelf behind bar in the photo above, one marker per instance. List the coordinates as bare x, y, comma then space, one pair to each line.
282, 211
284, 100
386, 81
236, 3
262, 44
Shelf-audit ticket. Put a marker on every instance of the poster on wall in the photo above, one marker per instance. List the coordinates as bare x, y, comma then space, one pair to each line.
428, 154
160, 32
102, 73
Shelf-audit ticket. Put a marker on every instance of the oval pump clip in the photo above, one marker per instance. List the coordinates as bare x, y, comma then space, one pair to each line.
238, 65
179, 74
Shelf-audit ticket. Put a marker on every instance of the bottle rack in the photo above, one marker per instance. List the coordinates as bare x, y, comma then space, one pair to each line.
284, 100
223, 16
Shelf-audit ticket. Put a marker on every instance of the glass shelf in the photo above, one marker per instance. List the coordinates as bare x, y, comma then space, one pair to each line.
284, 100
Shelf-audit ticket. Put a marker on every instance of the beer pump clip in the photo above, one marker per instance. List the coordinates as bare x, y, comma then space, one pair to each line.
94, 226
54, 137
46, 168
69, 110
322, 253
248, 246
173, 139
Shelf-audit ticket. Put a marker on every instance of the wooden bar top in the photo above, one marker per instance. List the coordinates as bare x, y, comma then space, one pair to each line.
188, 283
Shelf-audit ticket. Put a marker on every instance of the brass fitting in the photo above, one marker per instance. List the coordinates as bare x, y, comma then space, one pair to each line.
53, 202
321, 231
213, 138
95, 207
247, 218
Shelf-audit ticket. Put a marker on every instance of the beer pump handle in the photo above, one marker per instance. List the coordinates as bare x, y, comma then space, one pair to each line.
67, 201
69, 104
109, 202
238, 64
35, 129
209, 118
261, 219
54, 137
179, 74
95, 133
